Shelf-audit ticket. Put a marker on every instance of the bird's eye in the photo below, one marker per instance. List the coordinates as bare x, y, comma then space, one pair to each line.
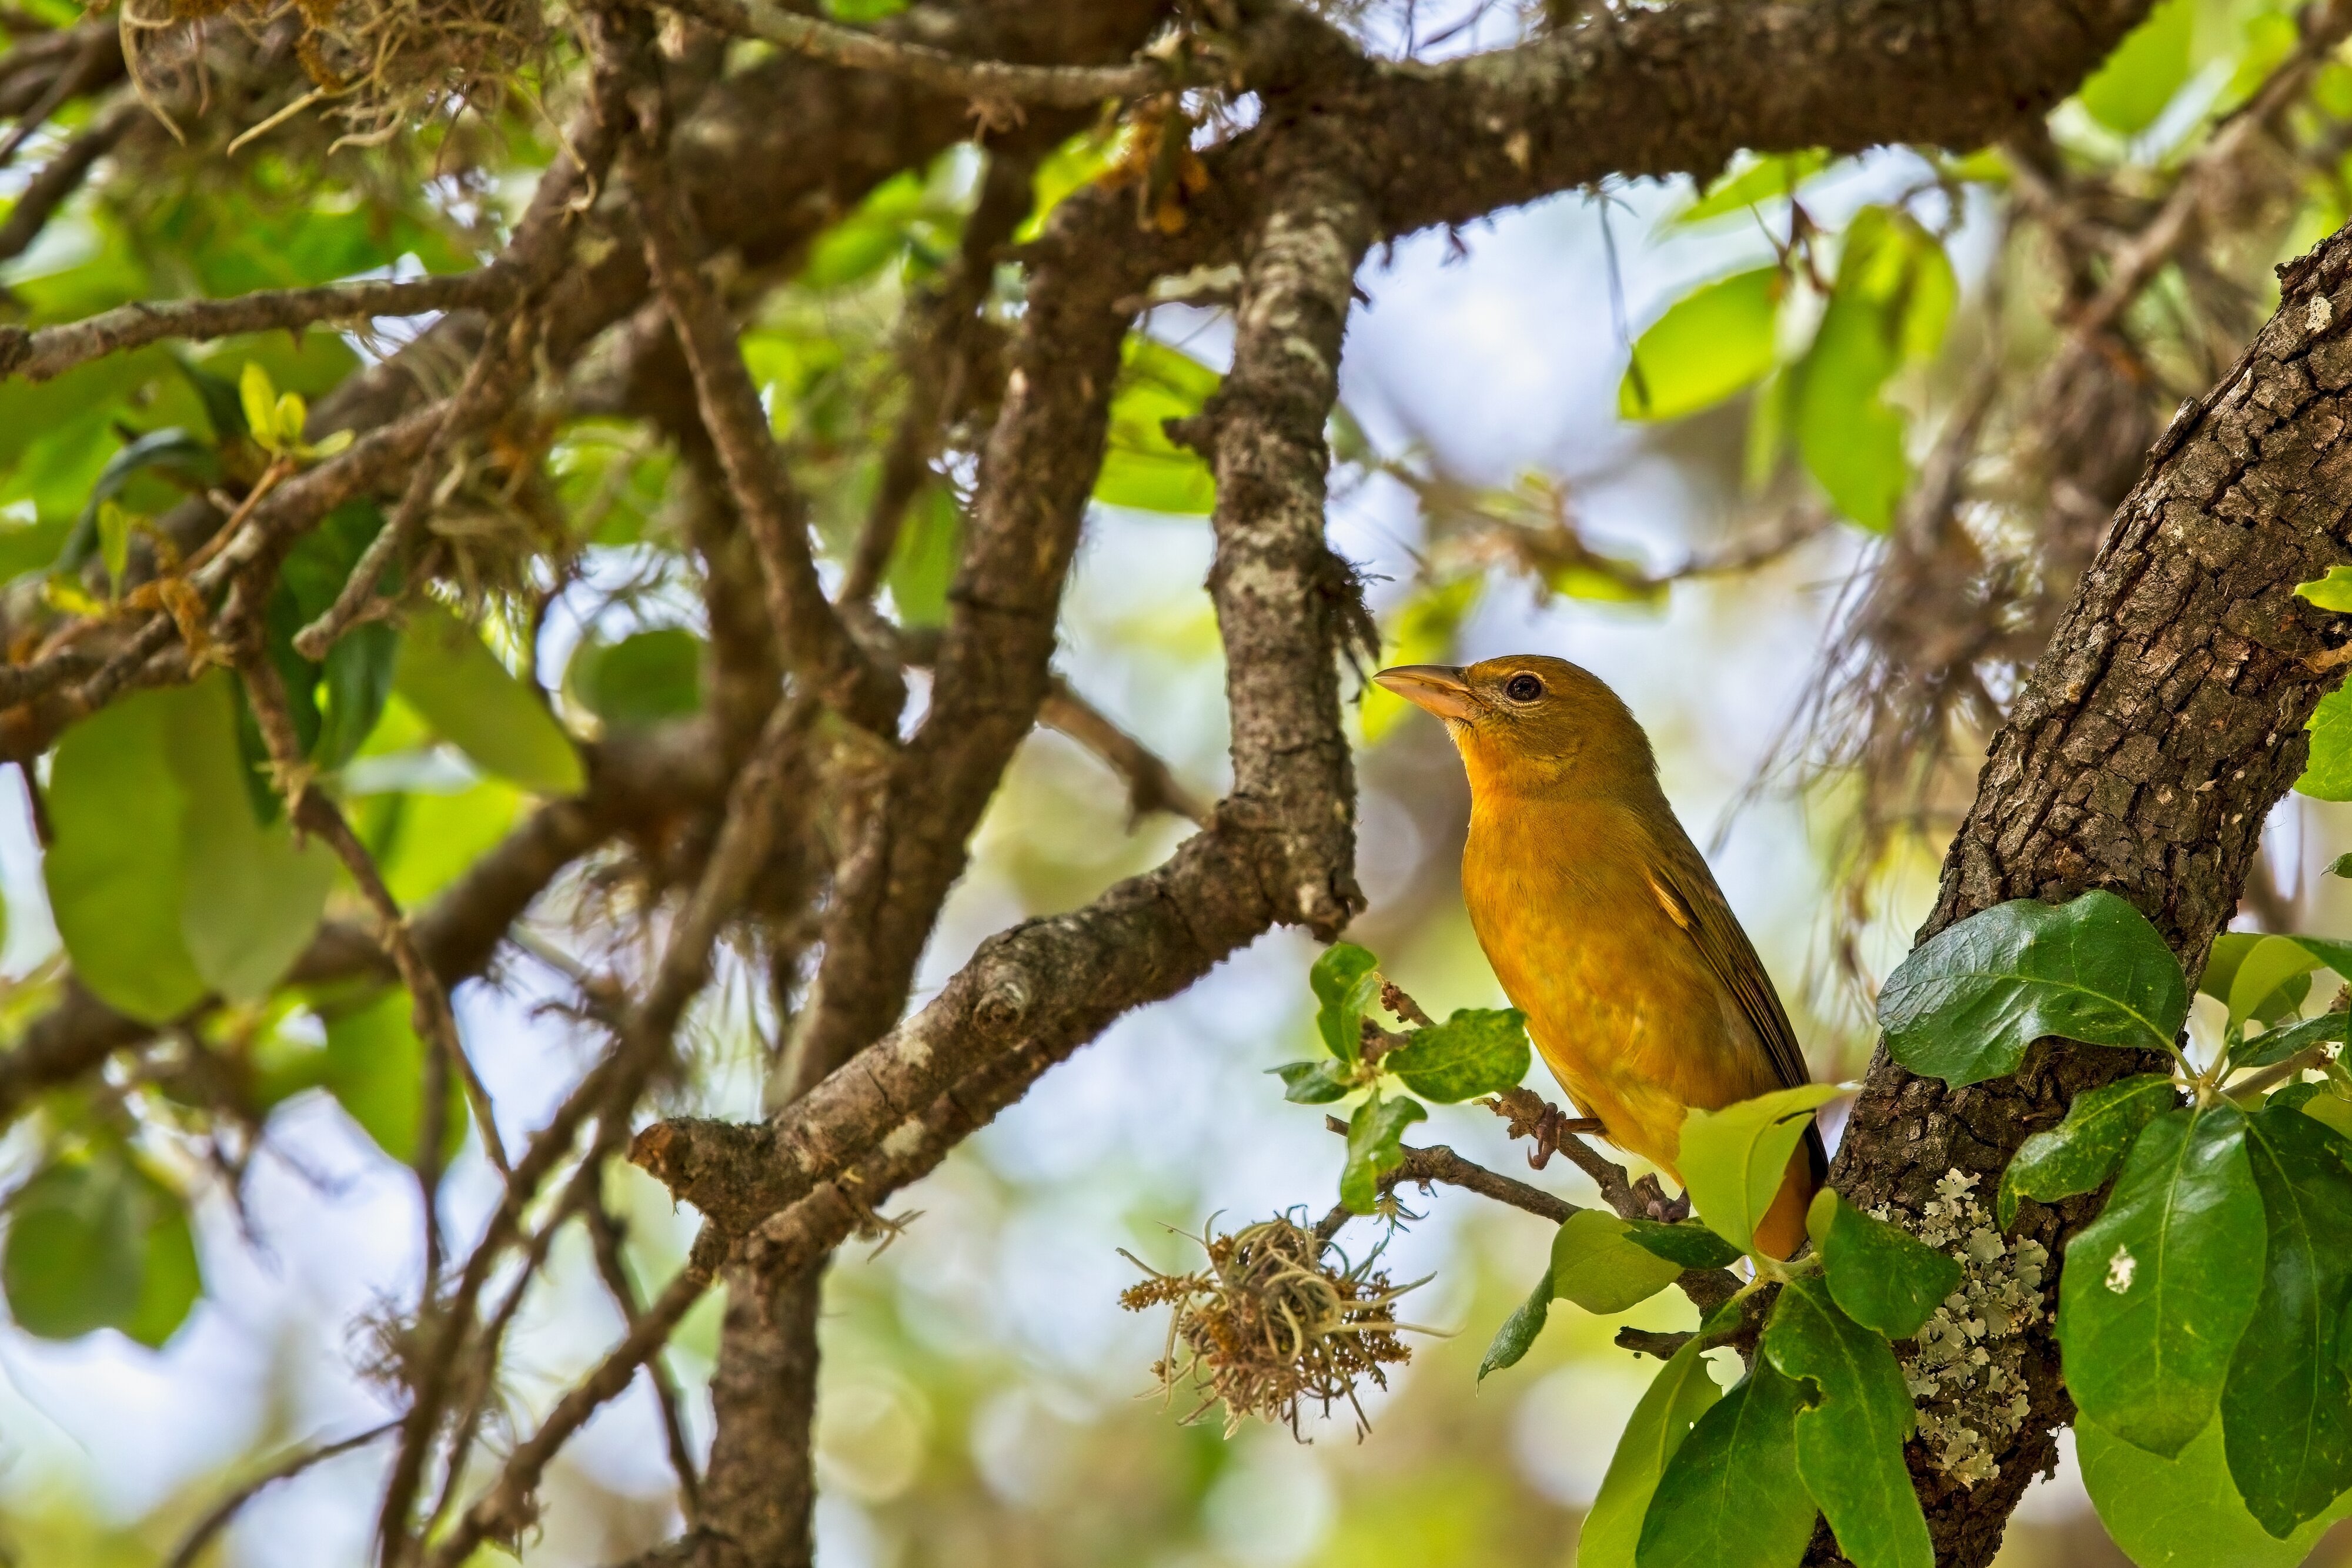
1523, 688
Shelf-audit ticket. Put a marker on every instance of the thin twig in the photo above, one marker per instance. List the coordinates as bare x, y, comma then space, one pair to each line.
1151, 785
607, 1232
192, 1545
1436, 1163
508, 1507
1060, 86
816, 641
40, 353
52, 187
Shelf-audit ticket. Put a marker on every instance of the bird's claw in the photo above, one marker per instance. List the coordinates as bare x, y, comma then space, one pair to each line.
1658, 1205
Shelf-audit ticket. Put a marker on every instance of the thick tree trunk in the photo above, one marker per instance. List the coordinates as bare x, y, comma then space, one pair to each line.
2163, 722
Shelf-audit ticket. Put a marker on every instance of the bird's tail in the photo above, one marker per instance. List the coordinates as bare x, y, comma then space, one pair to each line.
1783, 1229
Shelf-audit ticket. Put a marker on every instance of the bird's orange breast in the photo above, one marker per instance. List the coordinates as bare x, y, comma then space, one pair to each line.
1619, 1000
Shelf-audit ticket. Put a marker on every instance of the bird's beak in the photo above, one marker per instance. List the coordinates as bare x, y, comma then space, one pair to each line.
1440, 688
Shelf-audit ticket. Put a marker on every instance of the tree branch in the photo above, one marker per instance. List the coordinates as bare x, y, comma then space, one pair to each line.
2161, 724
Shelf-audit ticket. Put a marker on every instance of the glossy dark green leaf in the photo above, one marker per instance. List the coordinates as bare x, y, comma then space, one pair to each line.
1732, 1496
1850, 1439
1596, 1264
1964, 1005
2157, 1291
1711, 343
1690, 1243
2182, 1512
376, 1071
641, 680
114, 868
1512, 1341
2275, 1045
2083, 1150
2127, 93
1372, 1147
1880, 1275
477, 705
1478, 1051
1312, 1082
1735, 1159
1675, 1399
1345, 981
2286, 1409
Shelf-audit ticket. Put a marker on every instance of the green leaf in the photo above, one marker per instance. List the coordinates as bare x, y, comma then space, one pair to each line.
376, 1071
113, 525
2084, 1149
923, 562
1141, 468
1478, 1052
2130, 90
2275, 1045
641, 680
2182, 1512
1513, 1340
1733, 1160
251, 897
1690, 1244
258, 401
2327, 1107
1964, 1005
75, 1258
2327, 771
1345, 983
1893, 297
1676, 1398
114, 867
2286, 1409
2340, 866
1850, 1440
2157, 1291
355, 679
1596, 1264
1773, 176
460, 688
1730, 1496
2333, 592
1880, 1275
1313, 1083
2264, 984
1372, 1147
171, 1279
1708, 345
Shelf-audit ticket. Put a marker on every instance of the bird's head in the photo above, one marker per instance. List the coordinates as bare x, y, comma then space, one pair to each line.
1526, 724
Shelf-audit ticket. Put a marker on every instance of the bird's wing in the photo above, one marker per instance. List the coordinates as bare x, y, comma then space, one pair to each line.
1687, 891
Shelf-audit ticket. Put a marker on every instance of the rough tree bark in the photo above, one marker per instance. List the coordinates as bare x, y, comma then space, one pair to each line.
2164, 721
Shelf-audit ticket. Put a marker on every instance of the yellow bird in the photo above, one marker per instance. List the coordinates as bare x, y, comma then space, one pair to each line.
1602, 920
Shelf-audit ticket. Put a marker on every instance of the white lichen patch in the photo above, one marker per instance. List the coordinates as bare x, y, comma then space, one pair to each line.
1967, 1373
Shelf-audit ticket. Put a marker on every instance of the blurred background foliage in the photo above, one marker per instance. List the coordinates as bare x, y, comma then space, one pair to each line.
1804, 462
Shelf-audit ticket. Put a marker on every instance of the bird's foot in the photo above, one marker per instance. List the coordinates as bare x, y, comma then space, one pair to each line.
1665, 1210
1531, 1115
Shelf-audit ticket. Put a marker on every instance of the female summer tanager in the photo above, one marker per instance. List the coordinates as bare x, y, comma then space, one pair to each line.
1601, 919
